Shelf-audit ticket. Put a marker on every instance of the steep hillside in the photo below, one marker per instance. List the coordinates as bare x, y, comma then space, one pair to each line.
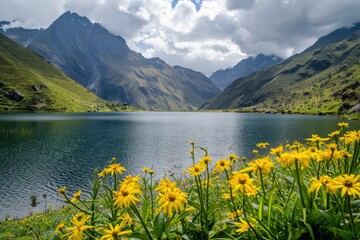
18, 34
29, 83
223, 78
104, 64
324, 80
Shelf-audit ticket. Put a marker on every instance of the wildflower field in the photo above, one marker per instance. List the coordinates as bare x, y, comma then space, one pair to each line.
308, 190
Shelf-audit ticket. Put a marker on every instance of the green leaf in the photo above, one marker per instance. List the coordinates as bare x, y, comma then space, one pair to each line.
342, 233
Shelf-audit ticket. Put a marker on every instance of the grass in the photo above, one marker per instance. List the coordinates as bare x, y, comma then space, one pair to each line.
308, 190
21, 69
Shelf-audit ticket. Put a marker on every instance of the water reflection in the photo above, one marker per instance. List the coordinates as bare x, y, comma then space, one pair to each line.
41, 152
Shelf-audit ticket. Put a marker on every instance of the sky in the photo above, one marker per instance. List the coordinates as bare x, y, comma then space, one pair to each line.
204, 35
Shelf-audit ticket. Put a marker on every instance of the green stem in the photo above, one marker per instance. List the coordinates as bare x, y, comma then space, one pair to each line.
297, 173
231, 197
262, 183
141, 220
341, 212
152, 197
353, 226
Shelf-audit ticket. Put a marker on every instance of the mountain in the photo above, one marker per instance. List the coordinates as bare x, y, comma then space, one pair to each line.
324, 79
223, 78
104, 64
29, 83
18, 34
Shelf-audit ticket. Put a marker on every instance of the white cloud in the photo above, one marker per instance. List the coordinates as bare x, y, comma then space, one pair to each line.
217, 35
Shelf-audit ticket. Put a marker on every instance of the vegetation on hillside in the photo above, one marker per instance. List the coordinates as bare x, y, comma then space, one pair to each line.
305, 190
30, 83
324, 80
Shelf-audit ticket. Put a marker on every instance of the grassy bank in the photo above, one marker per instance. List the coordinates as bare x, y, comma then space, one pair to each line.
302, 190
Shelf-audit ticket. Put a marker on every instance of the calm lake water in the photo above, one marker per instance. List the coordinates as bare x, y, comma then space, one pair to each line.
40, 153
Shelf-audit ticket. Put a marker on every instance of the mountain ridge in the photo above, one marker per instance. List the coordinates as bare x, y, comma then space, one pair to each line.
104, 64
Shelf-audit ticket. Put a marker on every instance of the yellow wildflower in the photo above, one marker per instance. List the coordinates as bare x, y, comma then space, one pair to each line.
222, 165
151, 172
115, 168
349, 184
127, 219
243, 225
76, 196
323, 181
277, 151
130, 181
114, 232
232, 157
60, 227
243, 183
145, 169
165, 185
262, 164
126, 196
172, 201
62, 190
197, 169
233, 215
76, 232
206, 160
352, 137
334, 134
262, 145
343, 125
316, 139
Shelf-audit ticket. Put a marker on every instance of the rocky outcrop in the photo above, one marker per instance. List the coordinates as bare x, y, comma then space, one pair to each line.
14, 95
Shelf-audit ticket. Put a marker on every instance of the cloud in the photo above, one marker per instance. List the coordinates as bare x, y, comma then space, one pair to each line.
204, 35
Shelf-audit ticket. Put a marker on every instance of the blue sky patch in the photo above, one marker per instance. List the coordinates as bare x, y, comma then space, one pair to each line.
197, 3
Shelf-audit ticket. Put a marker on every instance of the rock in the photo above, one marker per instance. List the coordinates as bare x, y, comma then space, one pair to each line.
355, 109
14, 95
269, 111
2, 84
43, 86
33, 87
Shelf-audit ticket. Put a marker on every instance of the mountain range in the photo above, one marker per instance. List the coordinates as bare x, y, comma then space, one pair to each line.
323, 79
224, 77
30, 83
103, 63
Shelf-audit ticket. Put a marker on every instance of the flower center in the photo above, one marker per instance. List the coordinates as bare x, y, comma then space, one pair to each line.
348, 183
222, 164
172, 197
124, 193
197, 169
242, 181
115, 234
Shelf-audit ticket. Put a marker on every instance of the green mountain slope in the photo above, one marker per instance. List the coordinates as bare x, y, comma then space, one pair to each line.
30, 83
324, 80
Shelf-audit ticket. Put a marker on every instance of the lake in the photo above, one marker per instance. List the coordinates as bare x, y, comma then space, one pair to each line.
42, 152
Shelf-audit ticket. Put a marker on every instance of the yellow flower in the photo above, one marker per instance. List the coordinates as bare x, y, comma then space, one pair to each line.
145, 169
324, 155
277, 151
197, 169
130, 181
255, 151
126, 196
206, 160
247, 170
316, 139
62, 190
151, 172
324, 181
288, 159
192, 143
114, 232
243, 183
263, 164
127, 219
343, 125
76, 232
222, 165
243, 225
102, 173
262, 145
76, 196
172, 201
165, 185
349, 184
60, 227
232, 157
352, 136
334, 134
114, 168
233, 215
